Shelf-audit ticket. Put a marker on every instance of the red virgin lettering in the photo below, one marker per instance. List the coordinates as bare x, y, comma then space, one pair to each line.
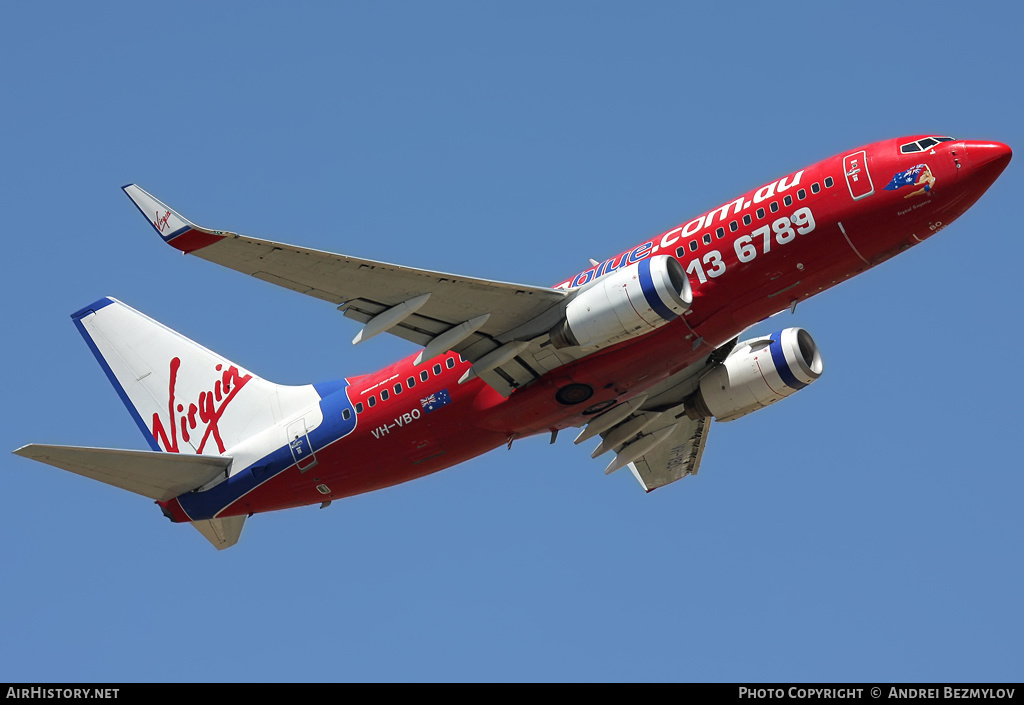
209, 408
170, 446
161, 223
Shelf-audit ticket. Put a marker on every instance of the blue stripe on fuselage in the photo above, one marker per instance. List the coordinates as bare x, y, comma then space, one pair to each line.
333, 401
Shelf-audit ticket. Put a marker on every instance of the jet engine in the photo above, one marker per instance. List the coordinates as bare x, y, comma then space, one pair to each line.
626, 303
757, 373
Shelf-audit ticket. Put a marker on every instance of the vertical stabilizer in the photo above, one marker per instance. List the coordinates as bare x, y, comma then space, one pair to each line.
184, 398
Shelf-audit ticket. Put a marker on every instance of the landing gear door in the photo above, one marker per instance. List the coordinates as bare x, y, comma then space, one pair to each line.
299, 445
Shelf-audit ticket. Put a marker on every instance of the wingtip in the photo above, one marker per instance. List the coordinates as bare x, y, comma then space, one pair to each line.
174, 229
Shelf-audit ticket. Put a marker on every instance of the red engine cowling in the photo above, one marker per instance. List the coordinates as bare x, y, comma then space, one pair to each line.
756, 373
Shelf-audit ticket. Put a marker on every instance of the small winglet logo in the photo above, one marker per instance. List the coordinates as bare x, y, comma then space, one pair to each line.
161, 221
209, 408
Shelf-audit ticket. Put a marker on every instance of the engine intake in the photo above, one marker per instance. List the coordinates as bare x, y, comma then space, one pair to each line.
627, 303
757, 373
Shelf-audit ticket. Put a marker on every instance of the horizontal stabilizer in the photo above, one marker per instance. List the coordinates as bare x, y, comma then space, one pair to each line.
159, 476
222, 533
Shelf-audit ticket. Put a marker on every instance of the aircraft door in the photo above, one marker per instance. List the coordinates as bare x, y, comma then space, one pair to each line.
858, 178
299, 445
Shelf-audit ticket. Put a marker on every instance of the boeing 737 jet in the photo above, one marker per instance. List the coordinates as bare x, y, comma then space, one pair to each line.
641, 350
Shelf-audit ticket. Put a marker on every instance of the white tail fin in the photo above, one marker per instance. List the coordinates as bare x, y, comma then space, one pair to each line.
183, 397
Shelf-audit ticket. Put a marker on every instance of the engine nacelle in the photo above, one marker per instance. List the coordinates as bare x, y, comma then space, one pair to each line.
626, 303
756, 373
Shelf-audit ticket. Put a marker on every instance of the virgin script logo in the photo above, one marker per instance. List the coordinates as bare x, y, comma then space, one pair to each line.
161, 222
203, 414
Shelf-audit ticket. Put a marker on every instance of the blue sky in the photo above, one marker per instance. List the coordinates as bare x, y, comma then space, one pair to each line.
867, 529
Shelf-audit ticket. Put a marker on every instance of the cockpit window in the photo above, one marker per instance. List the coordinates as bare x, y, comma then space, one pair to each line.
922, 144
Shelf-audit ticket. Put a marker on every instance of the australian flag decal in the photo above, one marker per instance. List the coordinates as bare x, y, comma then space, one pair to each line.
436, 401
906, 178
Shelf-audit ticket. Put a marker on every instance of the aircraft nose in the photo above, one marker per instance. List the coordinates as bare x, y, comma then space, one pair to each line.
988, 156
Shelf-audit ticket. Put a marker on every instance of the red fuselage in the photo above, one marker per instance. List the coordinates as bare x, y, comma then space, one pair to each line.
749, 258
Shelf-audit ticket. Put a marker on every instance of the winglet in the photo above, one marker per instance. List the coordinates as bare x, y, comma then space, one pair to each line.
169, 225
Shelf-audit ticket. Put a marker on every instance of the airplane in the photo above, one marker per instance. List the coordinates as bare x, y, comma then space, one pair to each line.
641, 349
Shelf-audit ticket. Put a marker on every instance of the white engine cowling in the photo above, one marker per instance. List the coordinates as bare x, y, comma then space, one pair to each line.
626, 303
757, 373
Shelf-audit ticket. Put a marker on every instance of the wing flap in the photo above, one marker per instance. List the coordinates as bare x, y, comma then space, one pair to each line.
153, 474
675, 457
656, 439
297, 287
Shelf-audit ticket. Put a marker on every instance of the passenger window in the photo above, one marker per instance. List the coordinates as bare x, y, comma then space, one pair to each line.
760, 213
693, 245
788, 200
372, 401
411, 382
437, 369
359, 407
720, 232
815, 187
424, 376
801, 194
774, 207
383, 395
828, 182
680, 252
733, 226
398, 388
450, 363
707, 238
346, 414
746, 219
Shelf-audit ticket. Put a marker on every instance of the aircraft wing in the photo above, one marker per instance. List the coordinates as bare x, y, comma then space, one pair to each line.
652, 434
473, 317
658, 447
